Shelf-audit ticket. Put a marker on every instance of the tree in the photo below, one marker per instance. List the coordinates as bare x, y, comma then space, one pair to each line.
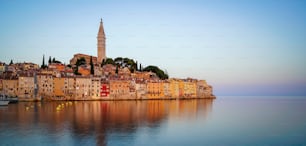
43, 66
80, 61
136, 66
49, 60
11, 62
103, 63
92, 71
53, 60
110, 61
140, 67
117, 69
161, 74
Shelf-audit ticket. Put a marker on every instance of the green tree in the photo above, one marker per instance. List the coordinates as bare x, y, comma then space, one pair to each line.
161, 74
43, 66
103, 63
11, 62
49, 60
117, 69
80, 61
110, 61
92, 71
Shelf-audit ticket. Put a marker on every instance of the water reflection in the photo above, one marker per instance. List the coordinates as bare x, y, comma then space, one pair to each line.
92, 122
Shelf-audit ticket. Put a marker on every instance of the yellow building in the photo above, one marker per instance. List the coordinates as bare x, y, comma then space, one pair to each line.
190, 89
174, 88
26, 87
167, 91
155, 89
10, 87
59, 87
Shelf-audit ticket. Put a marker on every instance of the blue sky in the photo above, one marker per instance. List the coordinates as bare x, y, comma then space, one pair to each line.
240, 47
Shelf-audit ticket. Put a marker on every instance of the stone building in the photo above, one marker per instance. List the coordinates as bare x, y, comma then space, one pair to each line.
141, 89
10, 87
95, 87
26, 86
45, 85
86, 57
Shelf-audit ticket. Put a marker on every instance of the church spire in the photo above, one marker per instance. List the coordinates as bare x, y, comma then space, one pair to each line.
101, 43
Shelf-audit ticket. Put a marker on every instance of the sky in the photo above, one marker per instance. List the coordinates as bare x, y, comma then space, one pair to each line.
240, 47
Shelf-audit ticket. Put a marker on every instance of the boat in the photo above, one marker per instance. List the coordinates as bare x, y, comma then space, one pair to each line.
4, 102
4, 98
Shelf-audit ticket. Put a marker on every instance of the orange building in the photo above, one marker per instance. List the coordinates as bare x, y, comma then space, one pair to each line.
59, 87
155, 89
84, 71
57, 66
119, 88
174, 88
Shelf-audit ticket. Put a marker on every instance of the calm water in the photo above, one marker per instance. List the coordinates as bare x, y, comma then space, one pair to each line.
223, 121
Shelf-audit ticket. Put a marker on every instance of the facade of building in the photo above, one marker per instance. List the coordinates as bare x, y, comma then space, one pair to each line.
174, 88
57, 66
119, 88
190, 89
105, 89
82, 88
45, 85
59, 87
26, 87
95, 87
141, 89
10, 87
155, 89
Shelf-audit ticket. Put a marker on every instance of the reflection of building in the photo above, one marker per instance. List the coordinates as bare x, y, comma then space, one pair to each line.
94, 121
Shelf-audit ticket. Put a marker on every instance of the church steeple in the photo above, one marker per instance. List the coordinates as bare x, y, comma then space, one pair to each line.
101, 43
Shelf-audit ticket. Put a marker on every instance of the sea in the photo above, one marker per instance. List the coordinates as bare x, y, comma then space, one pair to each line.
238, 121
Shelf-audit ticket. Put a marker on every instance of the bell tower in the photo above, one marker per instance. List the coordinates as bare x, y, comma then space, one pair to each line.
101, 43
